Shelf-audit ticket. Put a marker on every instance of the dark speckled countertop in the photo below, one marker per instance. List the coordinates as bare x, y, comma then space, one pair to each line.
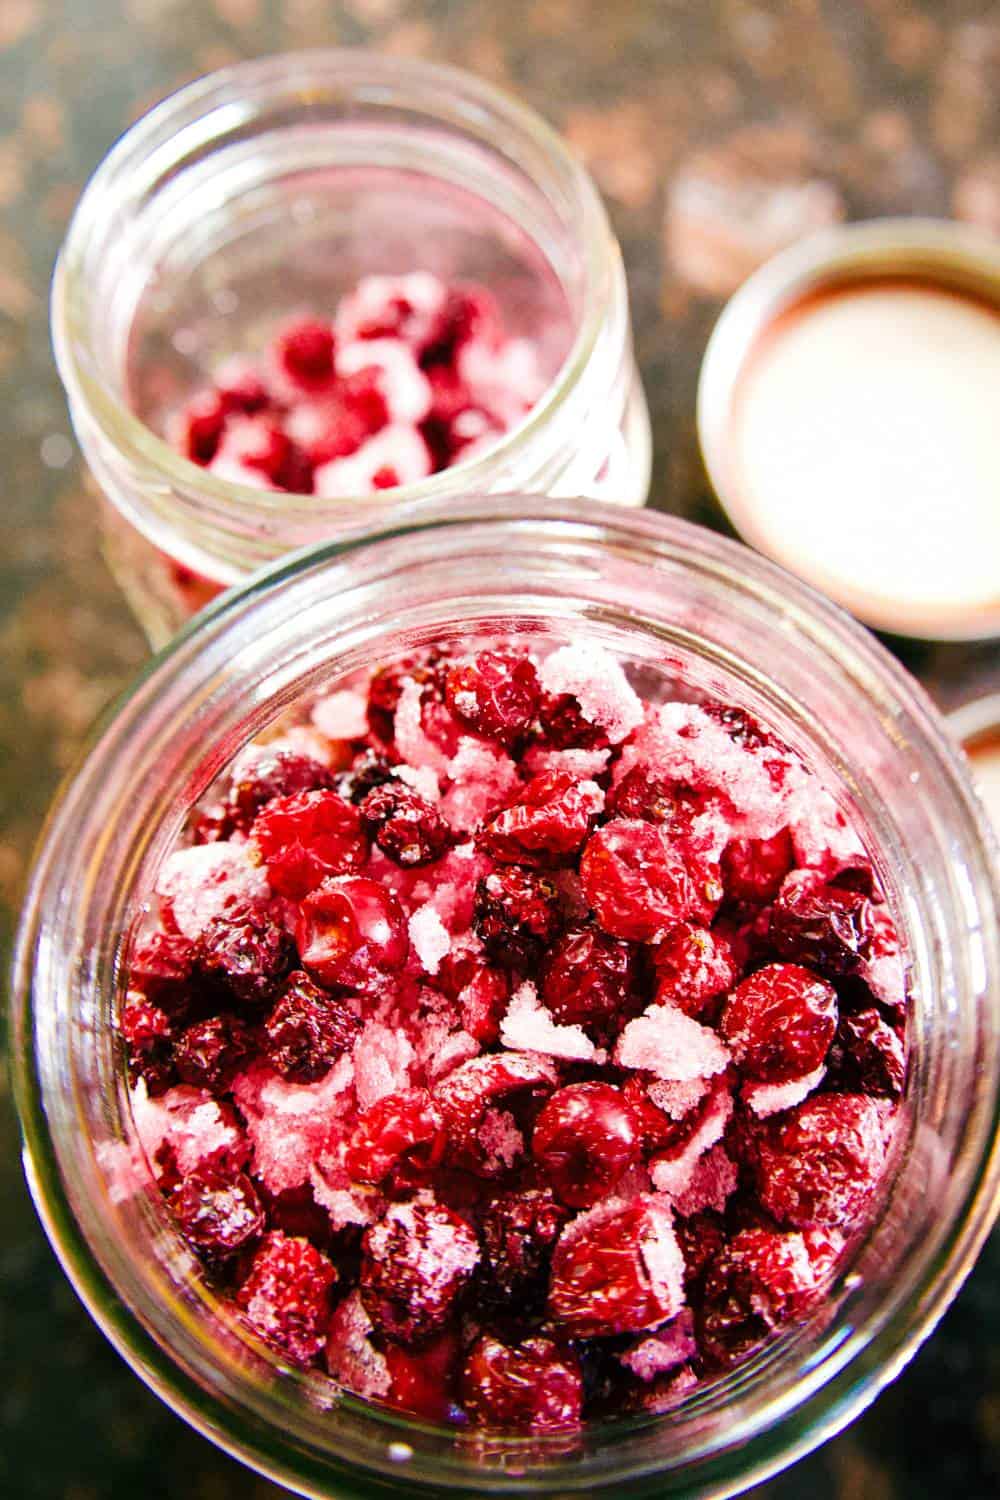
884, 106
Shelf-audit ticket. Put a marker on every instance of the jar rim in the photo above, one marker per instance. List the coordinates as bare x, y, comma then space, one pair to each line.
353, 69
836, 1389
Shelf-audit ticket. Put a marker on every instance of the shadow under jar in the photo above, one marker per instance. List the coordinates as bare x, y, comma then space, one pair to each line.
673, 602
268, 190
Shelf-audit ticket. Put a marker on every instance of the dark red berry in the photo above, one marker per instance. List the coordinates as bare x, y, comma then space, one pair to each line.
759, 1280
242, 390
275, 773
693, 965
404, 825
655, 799
820, 1163
415, 1262
305, 838
823, 926
218, 1212
516, 916
520, 1230
753, 869
547, 824
351, 933
657, 1130
532, 1386
564, 726
246, 948
701, 1238
616, 1272
868, 1056
742, 728
304, 352
640, 886
213, 824
467, 1093
143, 1025
308, 1030
589, 980
468, 313
296, 1213
386, 687
369, 770
780, 1022
161, 965
210, 1053
496, 694
406, 1124
585, 1140
423, 1379
286, 1295
202, 425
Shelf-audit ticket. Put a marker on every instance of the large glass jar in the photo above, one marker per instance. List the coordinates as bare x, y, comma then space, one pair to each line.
272, 187
664, 595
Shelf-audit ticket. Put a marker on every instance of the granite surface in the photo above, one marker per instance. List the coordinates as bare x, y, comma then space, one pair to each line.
849, 108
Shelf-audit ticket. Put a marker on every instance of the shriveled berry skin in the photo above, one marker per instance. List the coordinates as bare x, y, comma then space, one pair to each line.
825, 927
286, 1295
753, 869
465, 1095
305, 838
563, 725
820, 1163
780, 1022
868, 1056
590, 980
656, 799
520, 1230
547, 824
148, 1035
161, 966
528, 1387
218, 1212
246, 948
616, 1273
210, 1053
640, 886
496, 694
308, 1030
405, 1124
585, 1140
274, 773
404, 825
415, 1262
757, 1282
368, 771
693, 965
516, 916
351, 934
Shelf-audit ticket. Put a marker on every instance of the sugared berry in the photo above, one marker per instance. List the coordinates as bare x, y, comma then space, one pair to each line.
304, 838
467, 1093
496, 694
406, 1124
547, 824
368, 771
823, 926
161, 965
404, 825
209, 1053
415, 1262
693, 965
219, 1213
351, 933
308, 1030
532, 1386
640, 886
274, 773
753, 869
563, 725
286, 1295
585, 1139
780, 1022
520, 1230
246, 948
616, 1271
517, 916
758, 1280
868, 1056
819, 1164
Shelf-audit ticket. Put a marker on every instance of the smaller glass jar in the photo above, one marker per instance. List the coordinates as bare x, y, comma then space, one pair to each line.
664, 596
271, 188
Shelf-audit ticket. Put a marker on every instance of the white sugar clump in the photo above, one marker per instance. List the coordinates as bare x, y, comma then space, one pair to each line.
500, 1139
351, 1358
188, 1124
770, 1098
429, 937
342, 715
401, 383
344, 1204
713, 1178
202, 882
672, 1172
599, 684
670, 1044
290, 1124
663, 1258
382, 1058
398, 447
583, 764
422, 779
678, 1098
528, 1027
484, 778
662, 1350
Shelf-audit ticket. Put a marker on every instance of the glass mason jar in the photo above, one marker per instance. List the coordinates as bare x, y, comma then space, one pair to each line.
270, 188
662, 594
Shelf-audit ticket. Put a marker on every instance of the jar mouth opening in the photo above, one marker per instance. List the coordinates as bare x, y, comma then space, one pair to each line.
880, 1339
364, 74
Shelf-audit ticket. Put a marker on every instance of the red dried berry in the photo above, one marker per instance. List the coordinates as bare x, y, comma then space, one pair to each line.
305, 838
819, 1164
242, 390
520, 1230
246, 948
468, 313
275, 773
210, 1053
822, 926
640, 886
547, 824
404, 825
415, 1262
589, 980
701, 1237
307, 1031
564, 727
351, 934
296, 1213
213, 824
304, 352
496, 694
757, 1282
516, 916
693, 965
616, 1272
286, 1295
161, 965
469, 1091
780, 1022
753, 869
202, 424
532, 1386
407, 1124
868, 1056
742, 728
386, 687
219, 1213
368, 771
423, 1380
657, 1129
585, 1140
655, 799
142, 1024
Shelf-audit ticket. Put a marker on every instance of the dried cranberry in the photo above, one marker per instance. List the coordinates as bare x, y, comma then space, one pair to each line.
386, 687
415, 1262
161, 965
657, 1130
820, 925
693, 965
483, 1000
143, 1024
368, 771
516, 916
296, 1213
423, 1379
467, 1093
405, 825
753, 869
868, 1056
468, 313
564, 726
757, 1281
701, 1237
213, 824
532, 1386
210, 1053
276, 773
307, 1030
351, 933
286, 1295
640, 886
742, 728
589, 980
304, 352
303, 839
585, 1139
547, 824
780, 1022
655, 799
405, 1124
245, 947
496, 694
520, 1230
202, 424
819, 1163
218, 1212
616, 1272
